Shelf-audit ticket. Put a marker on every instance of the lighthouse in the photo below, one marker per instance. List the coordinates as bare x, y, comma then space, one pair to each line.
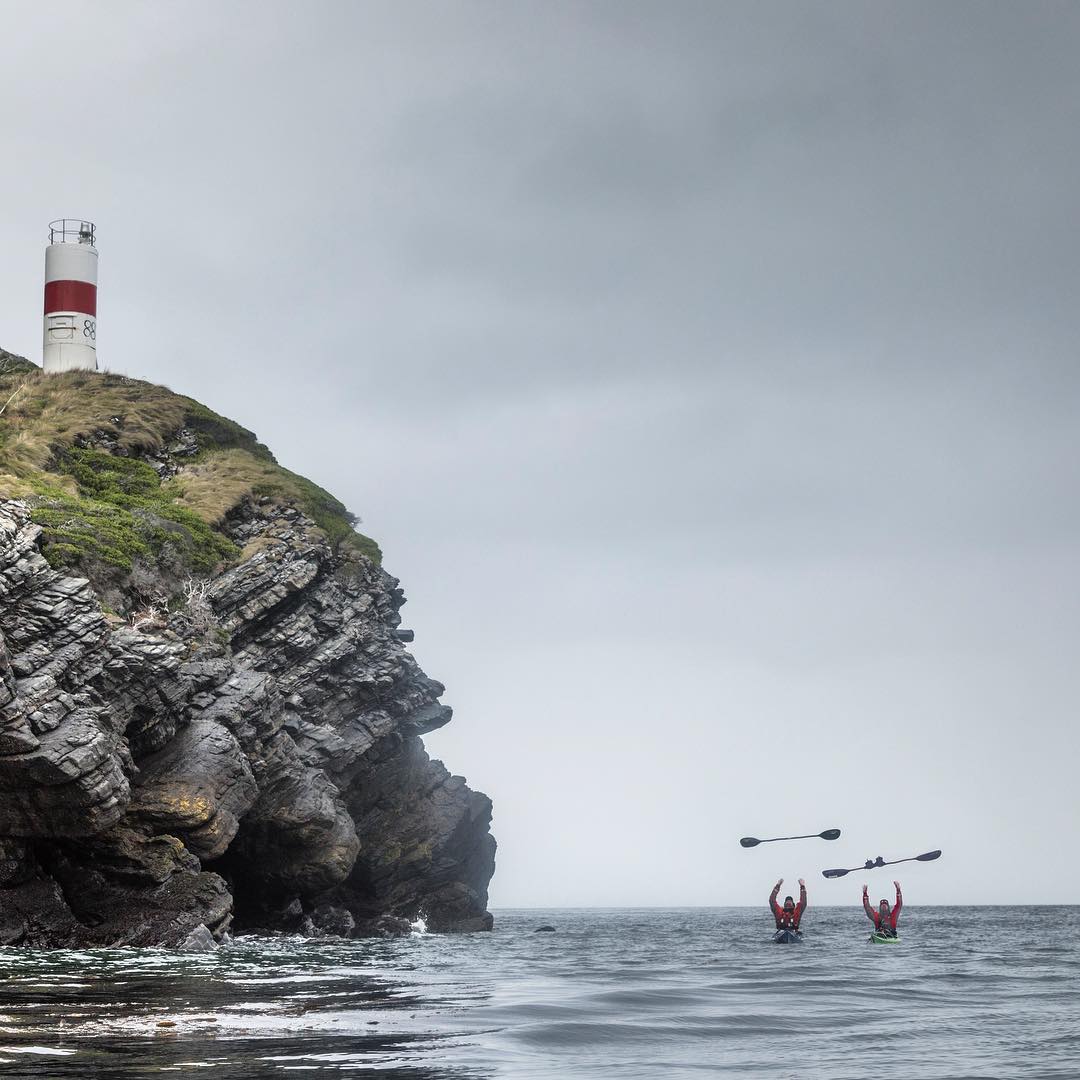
70, 298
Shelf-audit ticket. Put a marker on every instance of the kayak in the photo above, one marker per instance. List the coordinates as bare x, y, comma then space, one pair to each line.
881, 939
787, 937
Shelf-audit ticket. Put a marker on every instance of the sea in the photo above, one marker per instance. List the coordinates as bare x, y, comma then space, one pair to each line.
987, 992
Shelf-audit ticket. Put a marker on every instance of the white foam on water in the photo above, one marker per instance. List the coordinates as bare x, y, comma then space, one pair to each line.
56, 1051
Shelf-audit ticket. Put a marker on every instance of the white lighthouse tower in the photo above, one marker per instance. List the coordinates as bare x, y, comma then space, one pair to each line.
70, 297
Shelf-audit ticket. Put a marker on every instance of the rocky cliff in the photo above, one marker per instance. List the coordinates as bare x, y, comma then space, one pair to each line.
208, 715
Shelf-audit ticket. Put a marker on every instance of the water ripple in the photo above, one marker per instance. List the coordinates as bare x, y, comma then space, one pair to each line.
612, 994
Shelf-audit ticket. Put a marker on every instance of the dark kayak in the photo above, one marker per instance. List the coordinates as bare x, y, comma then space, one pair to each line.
787, 937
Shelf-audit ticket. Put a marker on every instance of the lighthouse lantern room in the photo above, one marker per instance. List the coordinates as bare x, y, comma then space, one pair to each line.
70, 297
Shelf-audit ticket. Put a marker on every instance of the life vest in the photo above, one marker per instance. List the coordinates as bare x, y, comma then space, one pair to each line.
787, 920
885, 924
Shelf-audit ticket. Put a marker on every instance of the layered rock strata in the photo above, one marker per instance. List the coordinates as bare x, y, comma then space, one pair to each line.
252, 759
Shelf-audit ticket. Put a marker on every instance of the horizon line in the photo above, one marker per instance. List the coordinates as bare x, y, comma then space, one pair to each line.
716, 907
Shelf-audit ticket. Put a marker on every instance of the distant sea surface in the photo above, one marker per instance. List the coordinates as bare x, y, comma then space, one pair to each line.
619, 994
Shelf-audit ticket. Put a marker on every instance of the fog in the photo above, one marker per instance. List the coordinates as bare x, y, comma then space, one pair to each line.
707, 372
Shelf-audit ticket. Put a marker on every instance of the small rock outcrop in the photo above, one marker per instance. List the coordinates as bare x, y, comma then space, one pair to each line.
249, 758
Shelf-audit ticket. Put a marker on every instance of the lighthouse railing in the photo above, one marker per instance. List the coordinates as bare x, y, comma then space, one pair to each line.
71, 231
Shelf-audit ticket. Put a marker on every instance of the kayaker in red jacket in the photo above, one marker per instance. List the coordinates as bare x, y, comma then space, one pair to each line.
885, 918
788, 916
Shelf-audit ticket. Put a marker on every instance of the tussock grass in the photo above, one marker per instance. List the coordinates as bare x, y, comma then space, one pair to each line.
219, 482
50, 412
11, 364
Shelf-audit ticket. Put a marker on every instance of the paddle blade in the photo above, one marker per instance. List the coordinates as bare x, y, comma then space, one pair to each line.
834, 873
751, 841
928, 857
830, 834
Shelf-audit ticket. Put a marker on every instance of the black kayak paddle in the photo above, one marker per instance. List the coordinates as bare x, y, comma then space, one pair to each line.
828, 834
873, 864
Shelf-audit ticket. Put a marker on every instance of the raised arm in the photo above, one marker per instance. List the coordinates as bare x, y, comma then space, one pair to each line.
773, 906
870, 914
899, 903
800, 908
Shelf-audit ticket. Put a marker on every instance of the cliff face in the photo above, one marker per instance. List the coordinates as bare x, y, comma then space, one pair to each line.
240, 747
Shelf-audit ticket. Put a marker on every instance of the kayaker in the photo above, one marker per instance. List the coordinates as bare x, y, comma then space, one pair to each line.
885, 918
790, 915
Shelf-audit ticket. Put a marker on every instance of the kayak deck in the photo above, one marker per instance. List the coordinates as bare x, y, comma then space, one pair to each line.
787, 937
883, 939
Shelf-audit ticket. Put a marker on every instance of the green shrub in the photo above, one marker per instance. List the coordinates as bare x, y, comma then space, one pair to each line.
217, 432
122, 512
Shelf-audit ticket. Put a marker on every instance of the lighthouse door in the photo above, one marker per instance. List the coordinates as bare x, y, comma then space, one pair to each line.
61, 328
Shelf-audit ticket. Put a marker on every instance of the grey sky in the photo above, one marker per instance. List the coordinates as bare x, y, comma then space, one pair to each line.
707, 371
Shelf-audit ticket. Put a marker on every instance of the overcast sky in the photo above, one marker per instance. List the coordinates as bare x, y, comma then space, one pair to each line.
707, 371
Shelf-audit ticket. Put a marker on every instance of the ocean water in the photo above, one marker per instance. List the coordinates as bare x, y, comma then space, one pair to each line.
614, 994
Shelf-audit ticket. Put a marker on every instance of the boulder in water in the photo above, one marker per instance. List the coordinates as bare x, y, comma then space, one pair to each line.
385, 926
330, 921
199, 940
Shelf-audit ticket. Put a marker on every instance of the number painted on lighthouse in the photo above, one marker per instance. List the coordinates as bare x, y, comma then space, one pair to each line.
90, 329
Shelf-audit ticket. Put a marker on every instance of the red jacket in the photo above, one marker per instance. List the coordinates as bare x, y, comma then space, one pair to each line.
874, 914
785, 921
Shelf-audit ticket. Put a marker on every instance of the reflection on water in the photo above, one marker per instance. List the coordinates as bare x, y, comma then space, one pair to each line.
620, 994
258, 1008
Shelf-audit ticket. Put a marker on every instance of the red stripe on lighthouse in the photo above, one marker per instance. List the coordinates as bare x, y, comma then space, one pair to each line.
78, 296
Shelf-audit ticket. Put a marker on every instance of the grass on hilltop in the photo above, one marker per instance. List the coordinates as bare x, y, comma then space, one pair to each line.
112, 508
215, 483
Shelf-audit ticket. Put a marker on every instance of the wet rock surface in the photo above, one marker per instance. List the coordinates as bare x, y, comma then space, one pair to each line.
257, 766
